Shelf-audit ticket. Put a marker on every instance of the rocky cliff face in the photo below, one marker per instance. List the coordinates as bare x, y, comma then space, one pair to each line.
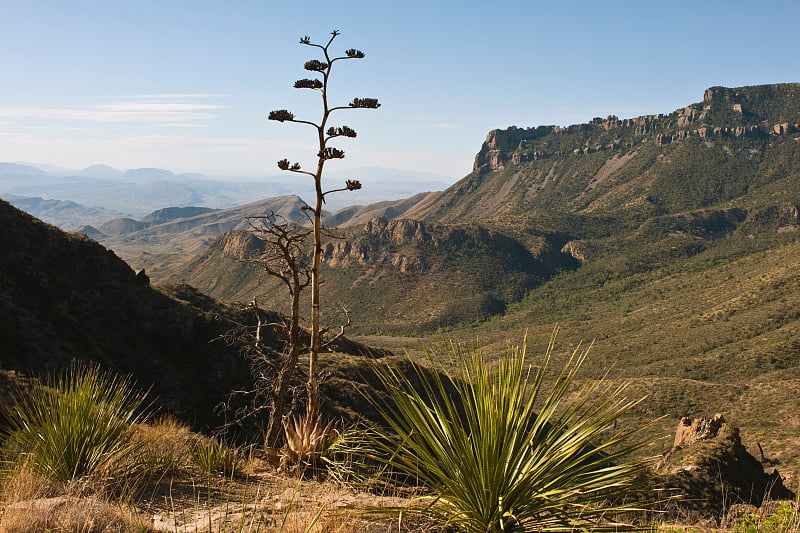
500, 145
414, 246
239, 245
738, 112
720, 149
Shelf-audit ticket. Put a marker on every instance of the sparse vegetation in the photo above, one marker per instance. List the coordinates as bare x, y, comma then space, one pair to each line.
679, 257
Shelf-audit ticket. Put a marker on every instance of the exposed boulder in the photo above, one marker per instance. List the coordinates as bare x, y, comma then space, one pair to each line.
579, 250
709, 470
142, 278
690, 431
782, 129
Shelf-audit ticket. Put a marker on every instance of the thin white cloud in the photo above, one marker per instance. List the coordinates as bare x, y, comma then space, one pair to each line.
178, 95
160, 107
94, 115
182, 125
447, 125
48, 128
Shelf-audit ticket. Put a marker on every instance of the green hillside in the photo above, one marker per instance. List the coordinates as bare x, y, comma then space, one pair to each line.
393, 276
685, 229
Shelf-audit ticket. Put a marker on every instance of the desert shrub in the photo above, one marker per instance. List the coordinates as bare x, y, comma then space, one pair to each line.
783, 520
76, 424
496, 449
214, 456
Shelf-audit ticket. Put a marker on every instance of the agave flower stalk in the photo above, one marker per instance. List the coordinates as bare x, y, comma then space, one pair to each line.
325, 134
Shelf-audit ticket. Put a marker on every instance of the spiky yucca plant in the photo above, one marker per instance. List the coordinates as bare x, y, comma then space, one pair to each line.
503, 449
77, 424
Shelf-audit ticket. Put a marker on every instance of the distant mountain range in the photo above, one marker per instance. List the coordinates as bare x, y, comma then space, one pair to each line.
140, 191
63, 213
171, 236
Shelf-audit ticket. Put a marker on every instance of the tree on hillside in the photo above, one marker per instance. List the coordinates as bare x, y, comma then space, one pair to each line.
285, 257
325, 133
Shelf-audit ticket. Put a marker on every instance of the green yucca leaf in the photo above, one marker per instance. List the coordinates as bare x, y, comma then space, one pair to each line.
497, 449
76, 424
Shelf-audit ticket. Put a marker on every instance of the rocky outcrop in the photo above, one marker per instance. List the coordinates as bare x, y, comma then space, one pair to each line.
141, 277
709, 470
690, 431
239, 245
785, 128
500, 144
708, 225
579, 250
414, 246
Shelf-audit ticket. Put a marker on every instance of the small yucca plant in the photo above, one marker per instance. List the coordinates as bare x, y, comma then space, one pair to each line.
214, 456
497, 449
76, 424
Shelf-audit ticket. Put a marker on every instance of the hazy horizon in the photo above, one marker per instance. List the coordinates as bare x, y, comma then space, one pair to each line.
188, 86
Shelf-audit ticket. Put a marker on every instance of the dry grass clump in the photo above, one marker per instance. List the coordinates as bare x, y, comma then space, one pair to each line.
166, 446
266, 502
170, 448
30, 503
23, 484
69, 515
215, 456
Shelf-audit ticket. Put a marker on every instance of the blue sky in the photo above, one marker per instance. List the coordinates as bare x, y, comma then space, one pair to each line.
187, 85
